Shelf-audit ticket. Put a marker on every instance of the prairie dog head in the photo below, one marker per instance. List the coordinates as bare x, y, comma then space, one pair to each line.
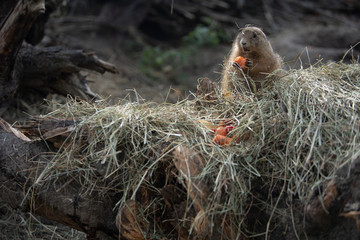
252, 39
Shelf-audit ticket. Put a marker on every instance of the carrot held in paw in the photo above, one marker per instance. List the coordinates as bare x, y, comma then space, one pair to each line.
240, 62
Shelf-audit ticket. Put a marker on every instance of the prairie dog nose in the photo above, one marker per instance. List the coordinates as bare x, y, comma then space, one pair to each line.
243, 42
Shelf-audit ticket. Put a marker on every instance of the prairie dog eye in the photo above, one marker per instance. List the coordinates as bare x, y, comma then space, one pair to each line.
254, 35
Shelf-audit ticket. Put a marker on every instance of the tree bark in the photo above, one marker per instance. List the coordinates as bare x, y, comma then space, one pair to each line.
23, 161
52, 69
56, 69
13, 31
338, 199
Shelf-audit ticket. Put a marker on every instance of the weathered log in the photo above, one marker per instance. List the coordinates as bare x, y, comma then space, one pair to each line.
52, 69
37, 30
21, 164
56, 69
130, 221
190, 164
338, 198
13, 31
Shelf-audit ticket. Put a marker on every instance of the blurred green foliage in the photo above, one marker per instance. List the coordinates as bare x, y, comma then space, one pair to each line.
202, 36
157, 62
208, 34
157, 58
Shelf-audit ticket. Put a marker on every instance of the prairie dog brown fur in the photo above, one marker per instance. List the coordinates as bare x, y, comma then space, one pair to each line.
250, 43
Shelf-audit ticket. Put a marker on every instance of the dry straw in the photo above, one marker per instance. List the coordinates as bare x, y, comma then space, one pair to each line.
299, 131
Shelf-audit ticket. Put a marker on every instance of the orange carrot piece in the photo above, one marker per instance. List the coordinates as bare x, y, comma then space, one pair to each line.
222, 140
221, 131
241, 62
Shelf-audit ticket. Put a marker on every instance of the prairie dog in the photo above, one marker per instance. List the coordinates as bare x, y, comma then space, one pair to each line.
250, 43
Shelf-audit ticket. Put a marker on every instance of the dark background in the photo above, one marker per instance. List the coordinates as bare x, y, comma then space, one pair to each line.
162, 47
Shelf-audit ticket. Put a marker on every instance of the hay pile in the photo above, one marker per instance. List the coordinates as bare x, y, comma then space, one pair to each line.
174, 182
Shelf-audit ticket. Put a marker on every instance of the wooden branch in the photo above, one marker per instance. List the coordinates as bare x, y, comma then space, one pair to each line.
190, 164
13, 32
52, 130
56, 69
54, 61
50, 69
326, 205
37, 30
21, 164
